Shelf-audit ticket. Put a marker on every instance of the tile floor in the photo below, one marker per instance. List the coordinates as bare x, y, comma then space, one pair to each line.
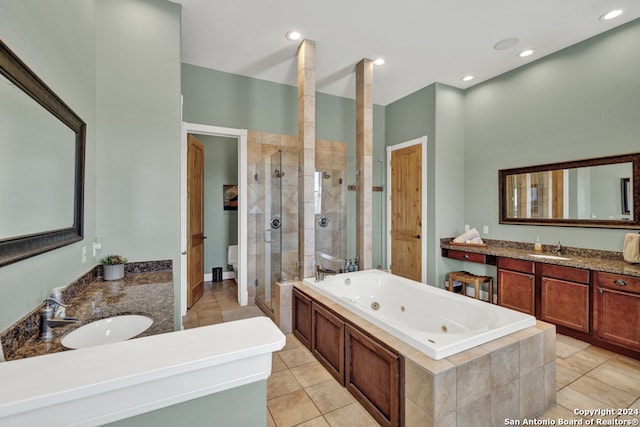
301, 393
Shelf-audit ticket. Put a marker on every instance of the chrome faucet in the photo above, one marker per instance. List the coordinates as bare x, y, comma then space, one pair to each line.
321, 272
47, 321
557, 248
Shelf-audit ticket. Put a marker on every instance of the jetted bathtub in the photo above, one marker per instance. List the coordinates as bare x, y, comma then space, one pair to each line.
437, 322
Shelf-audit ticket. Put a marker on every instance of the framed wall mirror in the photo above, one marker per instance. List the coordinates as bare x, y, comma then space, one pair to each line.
42, 150
601, 192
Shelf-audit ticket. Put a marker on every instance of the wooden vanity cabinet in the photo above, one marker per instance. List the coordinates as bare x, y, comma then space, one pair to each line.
565, 296
617, 311
373, 376
327, 340
517, 285
302, 318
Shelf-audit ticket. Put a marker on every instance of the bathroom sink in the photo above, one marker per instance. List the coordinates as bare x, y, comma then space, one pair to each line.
107, 331
550, 257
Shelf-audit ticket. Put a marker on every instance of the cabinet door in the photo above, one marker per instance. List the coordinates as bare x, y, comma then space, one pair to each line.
327, 340
565, 303
302, 318
517, 291
373, 376
618, 318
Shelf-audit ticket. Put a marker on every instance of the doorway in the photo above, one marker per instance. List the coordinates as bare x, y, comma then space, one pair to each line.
406, 209
239, 135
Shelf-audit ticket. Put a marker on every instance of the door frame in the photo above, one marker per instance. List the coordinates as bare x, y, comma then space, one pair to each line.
241, 136
423, 232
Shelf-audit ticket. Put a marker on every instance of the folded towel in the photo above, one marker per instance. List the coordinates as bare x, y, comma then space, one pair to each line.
631, 251
471, 236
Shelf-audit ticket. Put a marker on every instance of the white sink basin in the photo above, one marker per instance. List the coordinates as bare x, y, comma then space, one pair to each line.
550, 257
107, 331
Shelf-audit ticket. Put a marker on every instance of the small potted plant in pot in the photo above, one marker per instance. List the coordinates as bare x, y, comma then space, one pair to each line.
113, 267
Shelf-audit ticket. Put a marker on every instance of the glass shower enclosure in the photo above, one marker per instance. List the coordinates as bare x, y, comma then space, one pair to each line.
268, 225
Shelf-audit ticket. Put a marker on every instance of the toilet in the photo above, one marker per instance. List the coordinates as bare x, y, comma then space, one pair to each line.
232, 258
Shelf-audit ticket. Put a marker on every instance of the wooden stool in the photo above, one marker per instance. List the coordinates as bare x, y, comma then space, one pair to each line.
471, 279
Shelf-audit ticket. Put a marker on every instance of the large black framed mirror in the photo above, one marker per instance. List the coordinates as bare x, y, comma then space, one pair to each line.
42, 154
600, 192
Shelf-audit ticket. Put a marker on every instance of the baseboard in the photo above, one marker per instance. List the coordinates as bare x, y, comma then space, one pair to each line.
208, 277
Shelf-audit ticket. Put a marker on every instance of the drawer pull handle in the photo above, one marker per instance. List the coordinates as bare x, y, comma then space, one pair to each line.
466, 256
620, 282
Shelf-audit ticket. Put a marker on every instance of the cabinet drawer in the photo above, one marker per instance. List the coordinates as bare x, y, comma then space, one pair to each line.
619, 282
566, 273
516, 265
468, 256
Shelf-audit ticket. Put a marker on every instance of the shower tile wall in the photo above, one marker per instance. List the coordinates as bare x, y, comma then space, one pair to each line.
331, 161
261, 145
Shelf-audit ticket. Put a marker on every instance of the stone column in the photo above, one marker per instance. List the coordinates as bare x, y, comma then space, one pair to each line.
306, 155
364, 162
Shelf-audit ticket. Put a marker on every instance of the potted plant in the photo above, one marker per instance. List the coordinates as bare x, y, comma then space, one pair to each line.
113, 267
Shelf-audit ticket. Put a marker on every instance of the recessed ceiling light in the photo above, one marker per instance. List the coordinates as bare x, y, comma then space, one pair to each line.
294, 35
525, 53
611, 15
467, 78
379, 61
506, 43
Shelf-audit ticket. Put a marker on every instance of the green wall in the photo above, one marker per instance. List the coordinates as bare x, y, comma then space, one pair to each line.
216, 410
220, 226
139, 131
581, 102
57, 41
437, 112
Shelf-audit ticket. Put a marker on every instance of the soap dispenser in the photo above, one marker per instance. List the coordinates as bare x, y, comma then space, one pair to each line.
537, 247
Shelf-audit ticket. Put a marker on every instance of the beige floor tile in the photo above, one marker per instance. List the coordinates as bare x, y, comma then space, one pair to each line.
241, 313
567, 346
292, 342
270, 422
310, 374
578, 363
565, 376
277, 364
614, 374
629, 361
210, 318
571, 399
329, 396
292, 409
316, 422
281, 383
350, 416
606, 393
556, 412
295, 357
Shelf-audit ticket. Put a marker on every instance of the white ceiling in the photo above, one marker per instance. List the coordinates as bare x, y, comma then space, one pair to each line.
422, 41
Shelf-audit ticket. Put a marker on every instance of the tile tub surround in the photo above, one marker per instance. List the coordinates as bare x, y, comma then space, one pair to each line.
592, 259
146, 289
511, 377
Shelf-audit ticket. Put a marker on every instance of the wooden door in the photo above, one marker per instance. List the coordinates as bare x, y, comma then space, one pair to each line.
406, 212
195, 220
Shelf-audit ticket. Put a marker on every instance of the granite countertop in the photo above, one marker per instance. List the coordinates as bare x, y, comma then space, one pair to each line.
149, 294
591, 259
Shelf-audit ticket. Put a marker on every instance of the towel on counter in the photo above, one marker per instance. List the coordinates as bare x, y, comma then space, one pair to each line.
631, 251
471, 236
